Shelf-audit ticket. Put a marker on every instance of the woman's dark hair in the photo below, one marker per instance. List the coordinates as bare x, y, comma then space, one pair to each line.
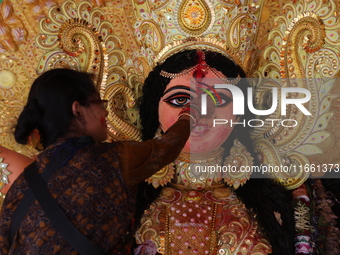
263, 196
49, 104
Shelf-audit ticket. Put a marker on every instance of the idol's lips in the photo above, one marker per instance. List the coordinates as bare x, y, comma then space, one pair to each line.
201, 129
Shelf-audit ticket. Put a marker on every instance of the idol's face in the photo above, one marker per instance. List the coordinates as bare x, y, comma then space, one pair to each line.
204, 137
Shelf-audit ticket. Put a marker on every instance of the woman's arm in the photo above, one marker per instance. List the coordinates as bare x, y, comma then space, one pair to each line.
140, 160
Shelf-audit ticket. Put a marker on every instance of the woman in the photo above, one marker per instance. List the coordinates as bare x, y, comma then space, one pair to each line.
197, 213
89, 184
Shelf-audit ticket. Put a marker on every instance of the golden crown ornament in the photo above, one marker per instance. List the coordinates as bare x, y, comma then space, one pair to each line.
223, 26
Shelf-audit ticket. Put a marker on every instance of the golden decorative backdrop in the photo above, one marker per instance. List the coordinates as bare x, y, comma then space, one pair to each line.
120, 41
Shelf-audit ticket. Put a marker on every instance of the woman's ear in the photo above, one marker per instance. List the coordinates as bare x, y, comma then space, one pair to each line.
76, 109
79, 113
34, 139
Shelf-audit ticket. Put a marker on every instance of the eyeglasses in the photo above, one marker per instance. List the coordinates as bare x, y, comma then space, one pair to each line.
103, 102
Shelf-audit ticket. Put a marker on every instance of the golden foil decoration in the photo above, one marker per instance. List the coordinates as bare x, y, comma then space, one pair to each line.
120, 42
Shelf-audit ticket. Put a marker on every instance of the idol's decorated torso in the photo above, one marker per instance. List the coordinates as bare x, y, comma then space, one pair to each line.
197, 213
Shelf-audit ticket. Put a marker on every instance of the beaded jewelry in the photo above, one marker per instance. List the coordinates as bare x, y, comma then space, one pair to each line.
194, 68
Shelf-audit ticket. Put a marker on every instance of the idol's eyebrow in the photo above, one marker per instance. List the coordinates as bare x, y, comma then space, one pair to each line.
179, 87
212, 87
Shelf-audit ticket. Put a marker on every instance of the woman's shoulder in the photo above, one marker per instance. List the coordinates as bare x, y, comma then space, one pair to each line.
109, 147
103, 150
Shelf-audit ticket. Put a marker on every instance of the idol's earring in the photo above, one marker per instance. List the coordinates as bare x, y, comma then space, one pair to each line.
239, 165
164, 175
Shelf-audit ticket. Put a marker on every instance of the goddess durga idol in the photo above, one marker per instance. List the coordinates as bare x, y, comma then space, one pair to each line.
208, 212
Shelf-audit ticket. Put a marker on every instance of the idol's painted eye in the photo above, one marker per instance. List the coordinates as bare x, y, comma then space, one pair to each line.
178, 99
225, 99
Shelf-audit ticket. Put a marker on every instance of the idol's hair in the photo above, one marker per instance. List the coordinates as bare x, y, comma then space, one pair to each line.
49, 104
263, 196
